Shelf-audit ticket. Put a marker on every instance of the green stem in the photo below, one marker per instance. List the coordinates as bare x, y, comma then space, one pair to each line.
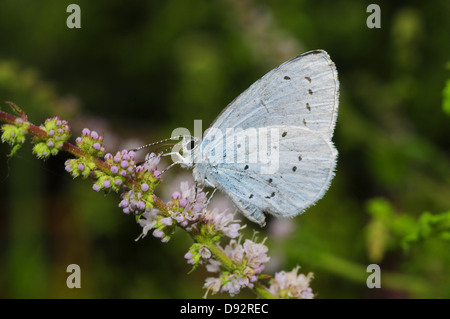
263, 291
215, 250
68, 147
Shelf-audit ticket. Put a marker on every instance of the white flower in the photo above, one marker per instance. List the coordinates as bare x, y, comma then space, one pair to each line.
147, 222
212, 284
213, 265
234, 284
151, 162
194, 200
255, 254
232, 230
251, 254
167, 221
204, 252
235, 251
223, 221
187, 192
291, 285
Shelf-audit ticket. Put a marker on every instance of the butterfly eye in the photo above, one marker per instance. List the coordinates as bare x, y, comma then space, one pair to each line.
190, 145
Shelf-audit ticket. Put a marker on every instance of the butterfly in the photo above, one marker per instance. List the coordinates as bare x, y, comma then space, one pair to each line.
270, 150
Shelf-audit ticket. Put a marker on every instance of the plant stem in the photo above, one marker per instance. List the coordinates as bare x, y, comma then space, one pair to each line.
263, 291
215, 250
68, 147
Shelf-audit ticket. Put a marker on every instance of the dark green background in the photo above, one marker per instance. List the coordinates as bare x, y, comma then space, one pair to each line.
136, 70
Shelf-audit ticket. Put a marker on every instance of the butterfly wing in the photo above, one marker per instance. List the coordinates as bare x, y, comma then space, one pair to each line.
301, 92
298, 100
298, 173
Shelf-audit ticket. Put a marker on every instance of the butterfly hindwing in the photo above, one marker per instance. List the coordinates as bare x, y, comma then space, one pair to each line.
295, 173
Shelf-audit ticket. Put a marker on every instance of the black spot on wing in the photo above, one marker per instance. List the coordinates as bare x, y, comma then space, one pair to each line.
271, 195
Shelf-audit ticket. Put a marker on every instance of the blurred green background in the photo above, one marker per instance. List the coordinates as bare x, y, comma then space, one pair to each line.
136, 70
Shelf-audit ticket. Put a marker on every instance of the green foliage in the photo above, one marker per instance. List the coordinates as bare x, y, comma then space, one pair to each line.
388, 230
385, 228
427, 226
446, 98
14, 135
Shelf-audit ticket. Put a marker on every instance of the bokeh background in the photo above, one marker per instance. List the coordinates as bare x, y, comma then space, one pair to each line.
136, 70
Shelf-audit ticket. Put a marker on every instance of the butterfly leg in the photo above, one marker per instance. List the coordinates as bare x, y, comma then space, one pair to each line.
170, 166
211, 196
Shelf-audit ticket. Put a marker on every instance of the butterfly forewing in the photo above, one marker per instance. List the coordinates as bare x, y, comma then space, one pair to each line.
301, 92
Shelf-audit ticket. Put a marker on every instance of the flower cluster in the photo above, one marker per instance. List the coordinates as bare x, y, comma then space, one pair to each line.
137, 201
197, 254
292, 286
188, 210
91, 142
14, 134
187, 205
250, 257
58, 132
121, 165
222, 222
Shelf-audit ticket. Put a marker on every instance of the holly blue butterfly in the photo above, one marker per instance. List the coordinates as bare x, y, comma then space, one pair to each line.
270, 150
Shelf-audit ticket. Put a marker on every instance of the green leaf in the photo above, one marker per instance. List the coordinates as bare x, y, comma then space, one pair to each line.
428, 226
15, 149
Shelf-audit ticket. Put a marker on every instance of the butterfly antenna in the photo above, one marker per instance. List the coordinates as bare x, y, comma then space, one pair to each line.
164, 148
161, 150
157, 143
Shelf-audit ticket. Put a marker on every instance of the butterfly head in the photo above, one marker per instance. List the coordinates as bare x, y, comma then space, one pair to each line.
189, 146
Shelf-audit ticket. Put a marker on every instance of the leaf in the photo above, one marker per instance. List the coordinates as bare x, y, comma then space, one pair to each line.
17, 110
428, 226
14, 149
